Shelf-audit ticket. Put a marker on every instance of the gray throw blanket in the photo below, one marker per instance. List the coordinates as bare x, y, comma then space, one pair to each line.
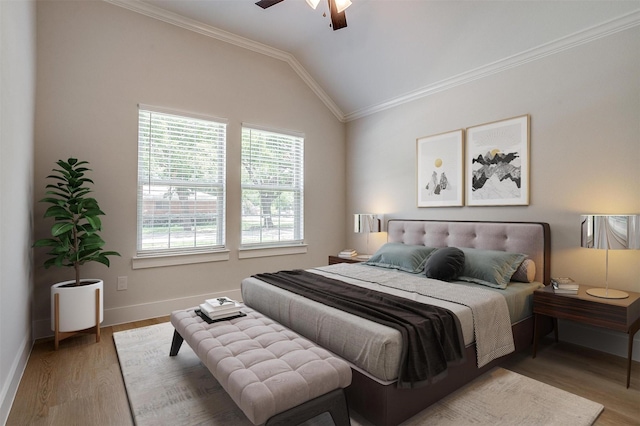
431, 335
491, 323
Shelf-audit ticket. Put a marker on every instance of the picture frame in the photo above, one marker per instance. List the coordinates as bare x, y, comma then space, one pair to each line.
497, 163
440, 169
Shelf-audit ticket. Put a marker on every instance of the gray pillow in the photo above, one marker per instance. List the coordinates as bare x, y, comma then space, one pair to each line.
404, 257
445, 264
492, 268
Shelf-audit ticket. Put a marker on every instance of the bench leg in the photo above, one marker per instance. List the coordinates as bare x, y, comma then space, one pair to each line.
333, 402
176, 343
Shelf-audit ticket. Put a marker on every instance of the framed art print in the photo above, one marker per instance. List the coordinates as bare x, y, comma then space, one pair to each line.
440, 169
497, 163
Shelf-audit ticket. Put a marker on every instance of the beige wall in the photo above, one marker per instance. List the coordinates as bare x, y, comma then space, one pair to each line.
96, 62
17, 109
585, 150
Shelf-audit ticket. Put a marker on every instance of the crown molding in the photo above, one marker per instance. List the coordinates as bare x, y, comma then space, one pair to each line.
596, 32
225, 36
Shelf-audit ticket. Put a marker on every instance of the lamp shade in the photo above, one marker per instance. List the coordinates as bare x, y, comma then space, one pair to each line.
366, 223
611, 232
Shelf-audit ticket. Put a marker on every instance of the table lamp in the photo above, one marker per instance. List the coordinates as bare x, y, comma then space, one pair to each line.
366, 223
610, 232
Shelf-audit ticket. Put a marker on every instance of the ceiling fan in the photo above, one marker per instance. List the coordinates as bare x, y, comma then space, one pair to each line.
336, 7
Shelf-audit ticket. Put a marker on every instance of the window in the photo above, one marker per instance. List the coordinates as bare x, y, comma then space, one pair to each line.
272, 188
181, 183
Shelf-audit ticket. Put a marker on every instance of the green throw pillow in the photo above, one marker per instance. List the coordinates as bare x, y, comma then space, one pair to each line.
404, 257
492, 268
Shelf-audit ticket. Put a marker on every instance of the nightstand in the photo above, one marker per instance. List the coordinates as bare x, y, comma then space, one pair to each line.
337, 259
613, 314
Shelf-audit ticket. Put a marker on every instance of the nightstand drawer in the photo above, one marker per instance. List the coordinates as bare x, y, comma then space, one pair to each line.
573, 307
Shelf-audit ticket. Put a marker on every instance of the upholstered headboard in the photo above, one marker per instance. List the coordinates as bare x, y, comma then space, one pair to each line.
532, 239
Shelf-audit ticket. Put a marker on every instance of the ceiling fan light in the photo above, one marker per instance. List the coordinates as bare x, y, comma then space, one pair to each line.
313, 3
341, 5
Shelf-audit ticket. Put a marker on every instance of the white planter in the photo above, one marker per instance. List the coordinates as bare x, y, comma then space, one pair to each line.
77, 305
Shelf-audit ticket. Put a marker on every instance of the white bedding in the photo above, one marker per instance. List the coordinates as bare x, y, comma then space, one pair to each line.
483, 314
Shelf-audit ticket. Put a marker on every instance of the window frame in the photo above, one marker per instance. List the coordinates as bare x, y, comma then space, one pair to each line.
193, 254
281, 247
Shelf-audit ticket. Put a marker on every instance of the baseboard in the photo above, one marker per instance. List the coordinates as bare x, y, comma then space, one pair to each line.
598, 338
125, 314
10, 387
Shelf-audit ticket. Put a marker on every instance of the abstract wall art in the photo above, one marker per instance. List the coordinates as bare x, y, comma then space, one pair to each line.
440, 169
497, 163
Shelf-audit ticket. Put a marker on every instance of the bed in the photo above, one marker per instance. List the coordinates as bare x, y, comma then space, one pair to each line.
373, 349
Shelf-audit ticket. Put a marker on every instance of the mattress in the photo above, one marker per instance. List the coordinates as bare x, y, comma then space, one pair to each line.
372, 348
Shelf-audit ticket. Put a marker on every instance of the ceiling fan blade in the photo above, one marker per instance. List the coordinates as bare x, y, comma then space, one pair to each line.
267, 3
338, 20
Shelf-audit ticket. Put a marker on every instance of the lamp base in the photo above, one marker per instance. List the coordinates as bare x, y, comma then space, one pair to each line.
607, 293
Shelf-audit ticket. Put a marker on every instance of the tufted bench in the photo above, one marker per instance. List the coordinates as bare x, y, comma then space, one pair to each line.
272, 374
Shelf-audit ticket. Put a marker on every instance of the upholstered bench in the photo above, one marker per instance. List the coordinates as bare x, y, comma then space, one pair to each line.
272, 374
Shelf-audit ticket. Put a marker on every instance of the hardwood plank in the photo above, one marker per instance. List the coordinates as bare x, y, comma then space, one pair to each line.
81, 383
594, 375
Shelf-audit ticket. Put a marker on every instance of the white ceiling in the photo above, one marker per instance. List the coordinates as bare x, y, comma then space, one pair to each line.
397, 50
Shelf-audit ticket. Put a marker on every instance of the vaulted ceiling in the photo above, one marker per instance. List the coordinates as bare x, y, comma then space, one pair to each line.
396, 50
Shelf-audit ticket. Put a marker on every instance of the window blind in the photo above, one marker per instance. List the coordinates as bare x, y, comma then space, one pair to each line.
272, 188
181, 183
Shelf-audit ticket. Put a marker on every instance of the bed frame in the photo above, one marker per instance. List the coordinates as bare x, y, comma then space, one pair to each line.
386, 404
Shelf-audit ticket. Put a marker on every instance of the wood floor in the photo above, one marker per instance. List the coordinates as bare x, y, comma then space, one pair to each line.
81, 383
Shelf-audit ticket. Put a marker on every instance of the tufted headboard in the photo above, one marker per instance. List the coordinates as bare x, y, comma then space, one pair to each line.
532, 239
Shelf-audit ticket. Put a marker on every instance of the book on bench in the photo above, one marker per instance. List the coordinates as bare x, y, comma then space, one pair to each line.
220, 307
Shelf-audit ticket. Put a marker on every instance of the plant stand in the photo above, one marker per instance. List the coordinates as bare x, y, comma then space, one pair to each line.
61, 335
76, 310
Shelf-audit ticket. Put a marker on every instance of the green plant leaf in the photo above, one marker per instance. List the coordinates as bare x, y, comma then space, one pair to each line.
60, 249
46, 242
90, 203
103, 259
53, 201
59, 194
58, 212
93, 212
62, 178
90, 238
91, 242
88, 253
50, 262
95, 222
66, 167
85, 227
59, 260
81, 192
61, 228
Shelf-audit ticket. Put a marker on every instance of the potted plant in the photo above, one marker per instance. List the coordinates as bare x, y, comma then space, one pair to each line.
76, 305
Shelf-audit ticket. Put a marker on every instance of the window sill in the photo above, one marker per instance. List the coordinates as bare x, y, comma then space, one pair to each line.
142, 262
249, 253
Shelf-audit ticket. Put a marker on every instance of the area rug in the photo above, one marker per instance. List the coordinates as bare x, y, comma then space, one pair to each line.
164, 390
